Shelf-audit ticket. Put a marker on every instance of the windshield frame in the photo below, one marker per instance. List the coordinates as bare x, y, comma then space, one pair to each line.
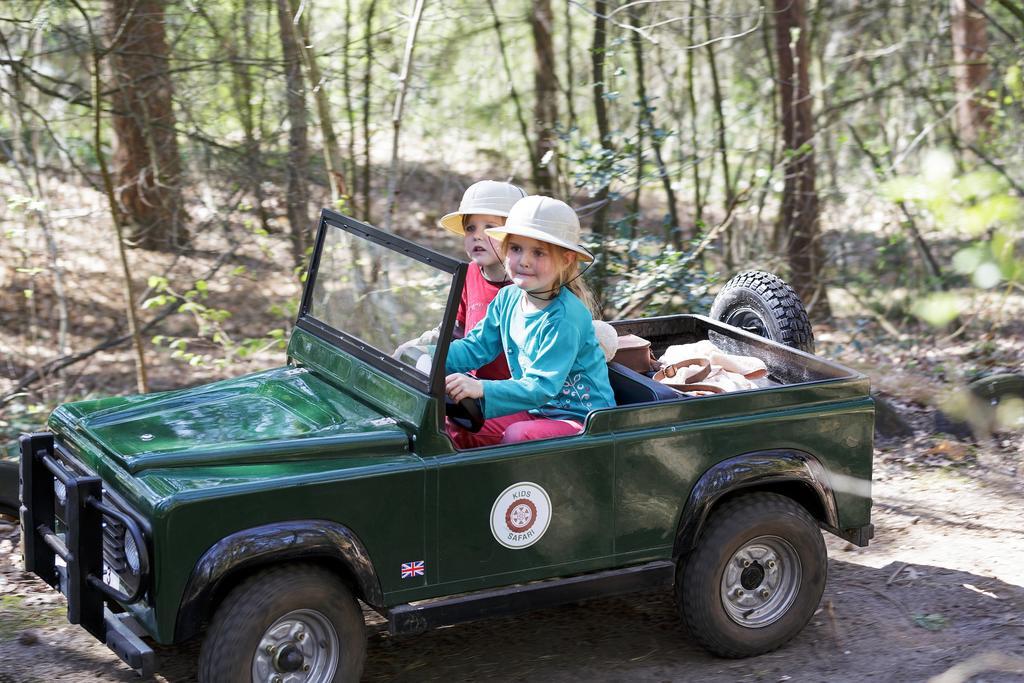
381, 359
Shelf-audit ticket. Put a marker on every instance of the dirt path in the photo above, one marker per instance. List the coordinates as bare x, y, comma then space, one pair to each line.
942, 583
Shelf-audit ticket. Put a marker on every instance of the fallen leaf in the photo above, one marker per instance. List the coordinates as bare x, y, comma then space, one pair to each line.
954, 450
978, 590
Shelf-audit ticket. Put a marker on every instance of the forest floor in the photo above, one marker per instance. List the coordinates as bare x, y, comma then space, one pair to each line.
941, 586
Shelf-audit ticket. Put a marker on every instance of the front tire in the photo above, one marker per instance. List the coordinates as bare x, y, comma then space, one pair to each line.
289, 623
755, 577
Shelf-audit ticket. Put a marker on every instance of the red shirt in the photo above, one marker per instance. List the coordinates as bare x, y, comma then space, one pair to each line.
476, 296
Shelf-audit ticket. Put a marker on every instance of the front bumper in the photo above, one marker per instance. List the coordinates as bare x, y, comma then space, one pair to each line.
80, 547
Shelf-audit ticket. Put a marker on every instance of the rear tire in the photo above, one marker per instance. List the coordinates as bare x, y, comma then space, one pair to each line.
763, 304
294, 619
755, 577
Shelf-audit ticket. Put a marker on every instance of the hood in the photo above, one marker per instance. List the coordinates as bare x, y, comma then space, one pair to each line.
273, 416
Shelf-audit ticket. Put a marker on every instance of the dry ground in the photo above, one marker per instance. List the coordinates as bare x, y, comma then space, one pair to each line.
942, 584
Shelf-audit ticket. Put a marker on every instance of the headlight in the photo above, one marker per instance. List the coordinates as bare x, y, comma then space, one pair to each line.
131, 552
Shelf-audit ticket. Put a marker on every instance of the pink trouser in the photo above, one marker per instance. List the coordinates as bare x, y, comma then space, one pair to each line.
512, 428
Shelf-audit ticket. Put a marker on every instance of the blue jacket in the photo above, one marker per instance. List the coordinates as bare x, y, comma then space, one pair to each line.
558, 368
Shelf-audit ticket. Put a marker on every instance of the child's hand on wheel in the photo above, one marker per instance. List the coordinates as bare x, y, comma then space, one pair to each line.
459, 386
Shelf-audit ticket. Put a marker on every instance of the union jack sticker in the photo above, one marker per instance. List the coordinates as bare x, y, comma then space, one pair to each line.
411, 569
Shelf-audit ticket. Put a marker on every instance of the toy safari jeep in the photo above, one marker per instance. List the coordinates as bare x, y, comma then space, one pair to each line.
257, 511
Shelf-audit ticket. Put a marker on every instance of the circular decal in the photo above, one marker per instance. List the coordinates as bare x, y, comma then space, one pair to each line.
520, 515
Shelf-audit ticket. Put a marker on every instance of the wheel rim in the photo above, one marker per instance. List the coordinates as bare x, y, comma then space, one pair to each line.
748, 319
761, 581
300, 647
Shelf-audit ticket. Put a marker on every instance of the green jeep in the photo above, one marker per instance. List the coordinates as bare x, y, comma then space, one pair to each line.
256, 511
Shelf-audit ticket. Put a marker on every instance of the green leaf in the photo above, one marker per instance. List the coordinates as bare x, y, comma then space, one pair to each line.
939, 167
932, 622
966, 261
938, 310
987, 276
999, 209
1014, 82
157, 283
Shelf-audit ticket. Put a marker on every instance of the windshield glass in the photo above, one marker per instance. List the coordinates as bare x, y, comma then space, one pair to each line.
384, 298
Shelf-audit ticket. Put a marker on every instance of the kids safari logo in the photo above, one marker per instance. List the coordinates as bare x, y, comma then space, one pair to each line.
520, 515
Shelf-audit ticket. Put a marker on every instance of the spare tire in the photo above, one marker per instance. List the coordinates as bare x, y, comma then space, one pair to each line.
763, 304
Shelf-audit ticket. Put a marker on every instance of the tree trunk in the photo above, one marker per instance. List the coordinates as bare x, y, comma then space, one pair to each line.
545, 108
798, 218
723, 150
597, 53
297, 198
346, 81
642, 115
570, 76
646, 124
691, 96
513, 93
396, 117
332, 151
141, 380
766, 42
970, 67
367, 83
146, 164
242, 95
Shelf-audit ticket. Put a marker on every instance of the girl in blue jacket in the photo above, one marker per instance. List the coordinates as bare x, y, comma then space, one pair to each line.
543, 325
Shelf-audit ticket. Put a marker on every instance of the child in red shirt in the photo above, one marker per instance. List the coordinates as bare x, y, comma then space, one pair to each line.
485, 205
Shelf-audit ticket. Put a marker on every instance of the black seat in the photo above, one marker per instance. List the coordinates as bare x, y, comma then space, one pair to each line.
632, 387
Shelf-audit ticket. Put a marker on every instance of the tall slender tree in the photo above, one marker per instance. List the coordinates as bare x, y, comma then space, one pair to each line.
396, 115
524, 128
598, 48
297, 199
717, 98
146, 165
645, 124
350, 110
331, 147
798, 218
570, 75
367, 92
691, 100
970, 67
545, 86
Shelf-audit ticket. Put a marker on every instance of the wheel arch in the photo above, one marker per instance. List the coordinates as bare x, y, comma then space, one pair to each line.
243, 553
792, 473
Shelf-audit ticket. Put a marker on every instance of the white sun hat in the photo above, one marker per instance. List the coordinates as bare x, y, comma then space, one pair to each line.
545, 219
488, 197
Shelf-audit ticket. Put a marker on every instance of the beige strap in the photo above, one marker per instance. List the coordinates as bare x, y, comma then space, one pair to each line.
671, 376
709, 388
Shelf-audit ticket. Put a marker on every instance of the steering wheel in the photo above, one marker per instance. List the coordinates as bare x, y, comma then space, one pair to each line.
466, 413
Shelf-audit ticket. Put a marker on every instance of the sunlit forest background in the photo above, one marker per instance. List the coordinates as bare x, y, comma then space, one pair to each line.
163, 163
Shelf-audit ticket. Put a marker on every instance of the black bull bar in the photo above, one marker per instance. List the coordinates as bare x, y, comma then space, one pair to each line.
81, 547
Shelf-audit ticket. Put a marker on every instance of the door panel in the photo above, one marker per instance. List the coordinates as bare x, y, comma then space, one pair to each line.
516, 508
